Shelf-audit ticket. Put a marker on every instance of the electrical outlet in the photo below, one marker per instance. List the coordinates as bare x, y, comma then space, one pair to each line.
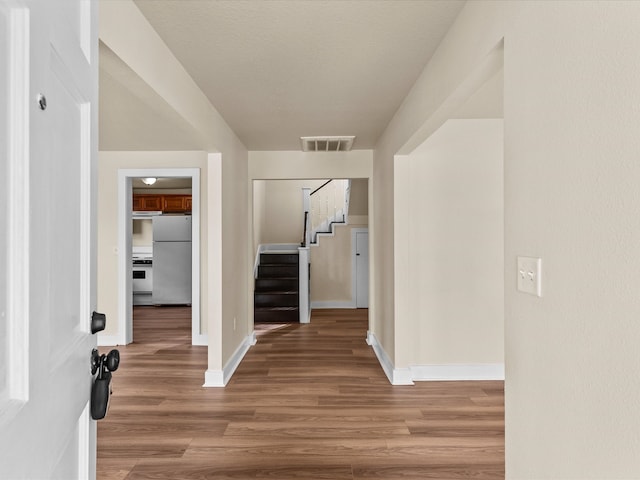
530, 275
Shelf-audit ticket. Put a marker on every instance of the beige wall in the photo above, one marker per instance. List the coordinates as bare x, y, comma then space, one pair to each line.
359, 198
278, 210
449, 228
282, 165
258, 189
331, 279
570, 176
142, 232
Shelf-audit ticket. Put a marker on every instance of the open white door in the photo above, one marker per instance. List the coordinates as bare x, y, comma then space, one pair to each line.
48, 50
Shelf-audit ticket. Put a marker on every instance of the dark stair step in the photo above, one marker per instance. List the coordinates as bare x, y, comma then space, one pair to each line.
275, 299
277, 284
276, 315
279, 258
277, 271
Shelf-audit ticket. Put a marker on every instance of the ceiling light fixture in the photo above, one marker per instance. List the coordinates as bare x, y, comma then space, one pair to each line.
149, 180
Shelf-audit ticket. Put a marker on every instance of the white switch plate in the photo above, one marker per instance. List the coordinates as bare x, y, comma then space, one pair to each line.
530, 275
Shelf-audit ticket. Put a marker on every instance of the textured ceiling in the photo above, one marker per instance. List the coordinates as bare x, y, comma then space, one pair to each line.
278, 70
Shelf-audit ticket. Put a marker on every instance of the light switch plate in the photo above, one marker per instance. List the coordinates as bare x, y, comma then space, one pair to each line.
530, 275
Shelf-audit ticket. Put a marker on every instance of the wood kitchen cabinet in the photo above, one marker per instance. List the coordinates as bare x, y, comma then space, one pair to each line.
146, 203
143, 202
175, 203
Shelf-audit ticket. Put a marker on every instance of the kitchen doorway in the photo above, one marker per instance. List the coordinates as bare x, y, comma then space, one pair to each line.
127, 179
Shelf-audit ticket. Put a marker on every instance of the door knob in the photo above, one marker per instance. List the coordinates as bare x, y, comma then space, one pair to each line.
98, 322
101, 389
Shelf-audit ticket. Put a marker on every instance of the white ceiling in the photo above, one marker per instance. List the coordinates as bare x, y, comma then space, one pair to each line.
280, 69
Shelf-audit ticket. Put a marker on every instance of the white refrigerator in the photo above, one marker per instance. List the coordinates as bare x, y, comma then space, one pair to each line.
171, 260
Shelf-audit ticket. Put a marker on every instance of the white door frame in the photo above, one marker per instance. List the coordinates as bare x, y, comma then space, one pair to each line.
354, 268
125, 198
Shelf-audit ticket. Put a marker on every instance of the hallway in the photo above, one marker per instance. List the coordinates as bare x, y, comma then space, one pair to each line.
308, 401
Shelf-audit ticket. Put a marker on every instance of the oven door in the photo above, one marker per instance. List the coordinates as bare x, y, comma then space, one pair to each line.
142, 284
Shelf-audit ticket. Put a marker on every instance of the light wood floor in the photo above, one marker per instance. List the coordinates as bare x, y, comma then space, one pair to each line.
307, 402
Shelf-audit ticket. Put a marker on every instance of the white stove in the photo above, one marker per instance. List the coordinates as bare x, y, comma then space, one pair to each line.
142, 283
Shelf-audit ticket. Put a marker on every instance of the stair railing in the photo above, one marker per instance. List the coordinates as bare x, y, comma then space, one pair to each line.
328, 204
305, 240
322, 186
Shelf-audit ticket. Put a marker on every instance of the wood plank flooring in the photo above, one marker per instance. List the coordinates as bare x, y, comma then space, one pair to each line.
307, 402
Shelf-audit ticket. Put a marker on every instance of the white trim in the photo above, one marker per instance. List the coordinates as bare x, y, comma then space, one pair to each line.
333, 304
220, 378
18, 234
487, 371
396, 376
304, 292
256, 261
281, 247
108, 340
214, 270
86, 436
199, 339
213, 378
433, 373
196, 323
328, 224
306, 208
125, 309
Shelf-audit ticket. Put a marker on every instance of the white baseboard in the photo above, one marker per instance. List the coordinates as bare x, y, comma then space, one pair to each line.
333, 304
200, 339
109, 340
433, 373
114, 340
396, 376
487, 371
220, 378
213, 378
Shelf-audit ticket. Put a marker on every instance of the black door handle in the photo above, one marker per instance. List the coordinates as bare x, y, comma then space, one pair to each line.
101, 388
98, 322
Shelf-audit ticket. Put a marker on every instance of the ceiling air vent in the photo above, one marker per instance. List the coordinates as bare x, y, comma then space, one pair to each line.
327, 144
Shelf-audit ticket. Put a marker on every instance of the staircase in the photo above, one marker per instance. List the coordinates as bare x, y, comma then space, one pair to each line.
325, 207
276, 298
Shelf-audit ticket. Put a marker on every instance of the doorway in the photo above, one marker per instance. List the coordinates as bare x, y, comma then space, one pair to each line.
161, 281
278, 218
126, 178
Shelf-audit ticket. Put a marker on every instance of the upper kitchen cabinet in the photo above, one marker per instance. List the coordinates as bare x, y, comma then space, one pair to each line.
176, 203
144, 202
